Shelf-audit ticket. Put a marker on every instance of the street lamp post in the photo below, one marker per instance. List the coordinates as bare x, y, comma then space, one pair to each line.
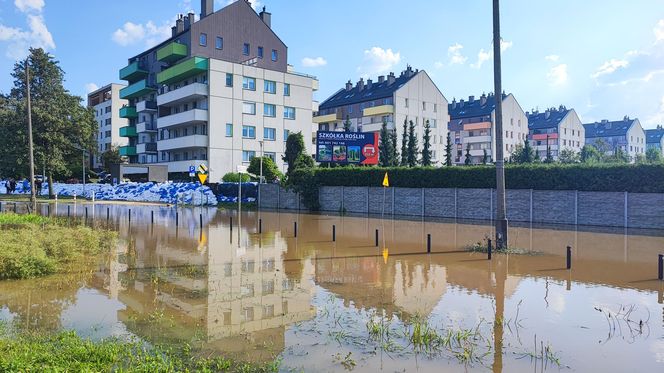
260, 179
501, 218
33, 197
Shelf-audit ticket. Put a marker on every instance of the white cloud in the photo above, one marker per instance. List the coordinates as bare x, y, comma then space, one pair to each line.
313, 62
28, 5
454, 52
505, 45
131, 33
558, 75
91, 87
378, 61
609, 67
36, 35
552, 57
658, 117
659, 31
438, 65
482, 57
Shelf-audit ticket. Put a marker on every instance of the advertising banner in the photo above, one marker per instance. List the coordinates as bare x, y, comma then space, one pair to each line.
347, 147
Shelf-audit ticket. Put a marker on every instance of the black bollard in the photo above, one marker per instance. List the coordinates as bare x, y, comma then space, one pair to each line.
48, 209
68, 211
200, 220
569, 257
177, 218
295, 229
230, 224
15, 208
0, 206
660, 267
152, 217
376, 238
129, 216
334, 233
86, 215
489, 249
429, 243
108, 214
260, 225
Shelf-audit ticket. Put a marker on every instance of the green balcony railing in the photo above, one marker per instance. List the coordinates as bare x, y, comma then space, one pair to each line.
128, 131
138, 89
126, 151
183, 70
172, 52
133, 72
128, 112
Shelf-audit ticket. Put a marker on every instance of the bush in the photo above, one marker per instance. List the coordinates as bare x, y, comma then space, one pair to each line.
234, 177
271, 172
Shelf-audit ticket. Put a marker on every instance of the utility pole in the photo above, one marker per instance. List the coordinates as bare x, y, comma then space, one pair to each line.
33, 197
501, 218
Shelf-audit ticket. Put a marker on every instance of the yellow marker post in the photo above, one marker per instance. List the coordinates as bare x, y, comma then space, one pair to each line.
386, 181
386, 254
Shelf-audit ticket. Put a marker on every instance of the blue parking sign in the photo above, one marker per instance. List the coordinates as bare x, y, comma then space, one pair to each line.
192, 171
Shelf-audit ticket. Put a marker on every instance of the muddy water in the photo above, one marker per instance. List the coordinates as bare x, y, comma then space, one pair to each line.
323, 306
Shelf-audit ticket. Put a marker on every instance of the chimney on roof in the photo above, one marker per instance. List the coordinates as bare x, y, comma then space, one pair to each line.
266, 17
626, 118
189, 20
381, 79
349, 86
547, 114
605, 121
174, 31
179, 24
471, 99
391, 79
483, 100
369, 83
207, 8
360, 84
454, 103
461, 103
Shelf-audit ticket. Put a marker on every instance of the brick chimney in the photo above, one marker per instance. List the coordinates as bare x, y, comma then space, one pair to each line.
266, 17
471, 99
349, 86
381, 79
391, 79
207, 8
360, 84
483, 100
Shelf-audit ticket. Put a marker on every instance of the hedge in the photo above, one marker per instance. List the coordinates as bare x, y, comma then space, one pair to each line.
643, 178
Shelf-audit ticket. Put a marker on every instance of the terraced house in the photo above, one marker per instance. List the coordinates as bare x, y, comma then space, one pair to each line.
473, 127
218, 92
655, 138
556, 129
626, 134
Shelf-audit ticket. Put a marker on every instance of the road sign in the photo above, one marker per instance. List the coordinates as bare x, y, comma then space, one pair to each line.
202, 178
202, 173
386, 181
192, 171
202, 169
242, 169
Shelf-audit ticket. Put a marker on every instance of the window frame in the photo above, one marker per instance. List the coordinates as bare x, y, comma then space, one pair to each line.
229, 126
275, 55
272, 84
249, 129
252, 105
246, 49
286, 112
219, 43
274, 111
272, 130
202, 39
246, 83
287, 89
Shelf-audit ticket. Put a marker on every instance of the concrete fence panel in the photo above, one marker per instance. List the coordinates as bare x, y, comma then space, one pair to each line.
356, 199
379, 196
330, 198
408, 201
645, 210
439, 203
474, 204
554, 206
602, 208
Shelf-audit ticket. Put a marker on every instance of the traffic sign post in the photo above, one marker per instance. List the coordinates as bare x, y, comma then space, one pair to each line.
202, 173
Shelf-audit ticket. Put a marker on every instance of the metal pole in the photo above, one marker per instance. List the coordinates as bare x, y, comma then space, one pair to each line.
260, 225
501, 218
429, 243
129, 216
489, 249
569, 257
295, 229
152, 217
33, 197
334, 233
84, 174
108, 214
376, 238
200, 220
660, 272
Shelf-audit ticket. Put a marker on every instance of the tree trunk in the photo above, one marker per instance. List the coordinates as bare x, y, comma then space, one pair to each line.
51, 194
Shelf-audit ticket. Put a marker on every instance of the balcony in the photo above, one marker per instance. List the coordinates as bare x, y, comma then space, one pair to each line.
128, 112
172, 52
187, 117
127, 151
193, 141
376, 127
146, 127
146, 105
544, 136
378, 110
327, 118
476, 126
183, 166
138, 89
183, 70
187, 93
476, 139
148, 147
133, 72
128, 132
478, 152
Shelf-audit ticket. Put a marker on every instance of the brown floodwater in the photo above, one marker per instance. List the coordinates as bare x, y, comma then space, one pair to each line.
324, 306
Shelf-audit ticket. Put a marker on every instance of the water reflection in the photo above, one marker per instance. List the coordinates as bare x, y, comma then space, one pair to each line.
256, 295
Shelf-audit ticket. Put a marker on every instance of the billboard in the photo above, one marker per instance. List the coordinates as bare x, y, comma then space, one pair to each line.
347, 147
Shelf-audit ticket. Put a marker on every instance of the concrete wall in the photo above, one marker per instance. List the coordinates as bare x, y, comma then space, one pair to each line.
610, 209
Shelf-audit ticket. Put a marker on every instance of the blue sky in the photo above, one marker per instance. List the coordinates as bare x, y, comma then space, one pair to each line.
603, 58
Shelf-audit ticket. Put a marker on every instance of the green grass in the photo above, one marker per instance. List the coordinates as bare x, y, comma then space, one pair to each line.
67, 352
481, 247
34, 246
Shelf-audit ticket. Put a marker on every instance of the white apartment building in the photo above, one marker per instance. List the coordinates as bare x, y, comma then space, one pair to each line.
626, 134
218, 92
473, 127
412, 96
556, 128
106, 104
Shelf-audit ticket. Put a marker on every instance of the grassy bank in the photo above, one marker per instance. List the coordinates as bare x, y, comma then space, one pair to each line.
68, 352
33, 246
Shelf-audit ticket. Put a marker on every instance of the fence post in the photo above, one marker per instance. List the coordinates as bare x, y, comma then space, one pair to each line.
260, 225
334, 233
489, 249
569, 257
428, 243
456, 206
576, 208
295, 229
531, 205
660, 267
376, 237
626, 210
422, 202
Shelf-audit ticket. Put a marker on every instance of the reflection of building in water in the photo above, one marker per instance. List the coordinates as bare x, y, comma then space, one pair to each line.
236, 299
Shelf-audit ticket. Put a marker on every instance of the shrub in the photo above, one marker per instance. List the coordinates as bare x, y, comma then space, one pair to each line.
234, 177
270, 170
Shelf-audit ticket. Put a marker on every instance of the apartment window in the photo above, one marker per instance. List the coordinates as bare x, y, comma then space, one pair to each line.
269, 110
249, 83
249, 132
406, 102
229, 130
260, 52
108, 122
202, 40
271, 155
249, 108
286, 89
274, 55
229, 80
269, 134
350, 109
289, 112
435, 108
246, 48
424, 106
433, 123
286, 134
247, 155
512, 122
108, 109
219, 43
270, 86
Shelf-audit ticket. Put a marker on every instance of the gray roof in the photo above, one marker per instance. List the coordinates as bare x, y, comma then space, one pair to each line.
548, 119
654, 136
473, 107
607, 128
345, 97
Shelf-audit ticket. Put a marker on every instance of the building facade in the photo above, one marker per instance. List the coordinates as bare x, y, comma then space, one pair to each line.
558, 129
106, 103
655, 138
626, 134
218, 92
411, 96
473, 128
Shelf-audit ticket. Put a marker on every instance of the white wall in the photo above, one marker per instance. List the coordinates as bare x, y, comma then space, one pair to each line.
636, 140
515, 127
572, 134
